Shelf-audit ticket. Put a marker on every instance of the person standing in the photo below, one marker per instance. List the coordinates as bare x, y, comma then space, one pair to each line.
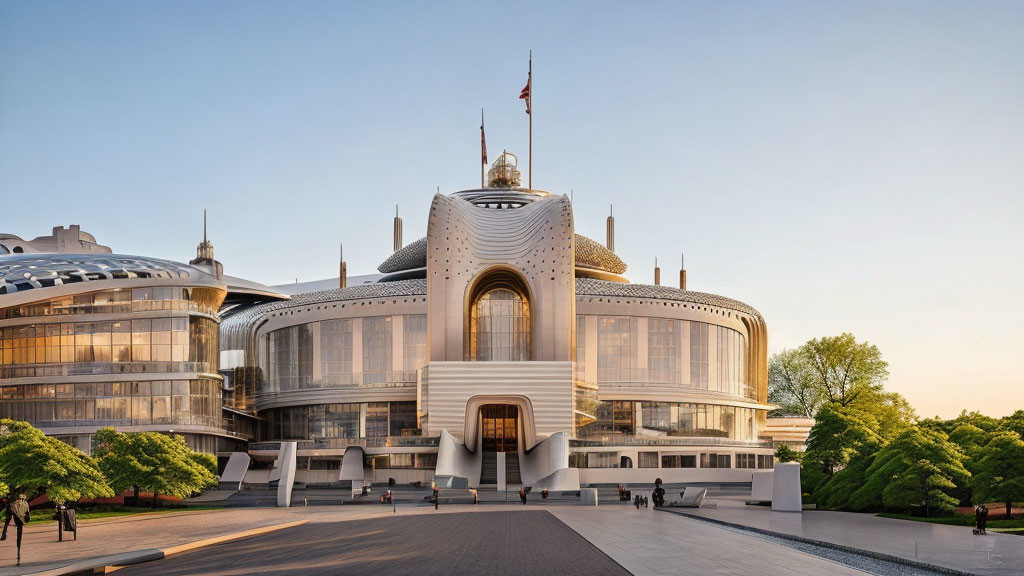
981, 517
18, 511
6, 511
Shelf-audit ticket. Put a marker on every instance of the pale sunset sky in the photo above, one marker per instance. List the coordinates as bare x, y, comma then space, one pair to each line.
841, 166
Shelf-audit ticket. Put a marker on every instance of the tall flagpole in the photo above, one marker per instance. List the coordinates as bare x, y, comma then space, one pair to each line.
529, 80
483, 148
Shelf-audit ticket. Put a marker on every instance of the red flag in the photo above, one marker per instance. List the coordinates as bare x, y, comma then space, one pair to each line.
525, 94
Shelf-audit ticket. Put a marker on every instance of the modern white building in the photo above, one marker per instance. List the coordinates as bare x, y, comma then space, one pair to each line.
502, 344
505, 337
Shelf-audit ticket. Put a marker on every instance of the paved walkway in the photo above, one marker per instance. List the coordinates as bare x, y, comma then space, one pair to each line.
41, 551
650, 543
946, 546
531, 542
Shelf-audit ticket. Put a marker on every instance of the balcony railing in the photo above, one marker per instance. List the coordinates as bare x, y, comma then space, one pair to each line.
658, 379
342, 443
626, 440
86, 368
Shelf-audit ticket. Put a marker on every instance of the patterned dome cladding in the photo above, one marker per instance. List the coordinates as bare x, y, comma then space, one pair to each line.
589, 254
593, 254
33, 271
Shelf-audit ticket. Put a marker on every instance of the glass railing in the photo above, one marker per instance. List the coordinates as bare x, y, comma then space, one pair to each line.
628, 440
85, 368
108, 308
644, 377
208, 421
356, 382
342, 443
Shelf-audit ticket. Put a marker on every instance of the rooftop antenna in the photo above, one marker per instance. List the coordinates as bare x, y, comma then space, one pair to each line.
398, 230
342, 267
572, 193
682, 272
610, 229
204, 224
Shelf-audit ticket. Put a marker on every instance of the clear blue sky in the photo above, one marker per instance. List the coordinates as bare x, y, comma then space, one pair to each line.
841, 166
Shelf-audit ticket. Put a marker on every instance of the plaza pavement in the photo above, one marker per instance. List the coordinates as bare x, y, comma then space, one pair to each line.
953, 547
643, 542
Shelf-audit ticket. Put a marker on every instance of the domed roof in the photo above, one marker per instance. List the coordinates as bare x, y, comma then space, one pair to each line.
589, 254
593, 254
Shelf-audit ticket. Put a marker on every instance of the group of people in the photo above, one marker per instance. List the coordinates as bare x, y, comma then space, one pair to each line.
980, 519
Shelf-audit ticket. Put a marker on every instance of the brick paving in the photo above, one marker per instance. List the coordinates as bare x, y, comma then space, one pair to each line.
488, 542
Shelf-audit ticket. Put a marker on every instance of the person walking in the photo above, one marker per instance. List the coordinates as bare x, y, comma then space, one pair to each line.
18, 511
522, 495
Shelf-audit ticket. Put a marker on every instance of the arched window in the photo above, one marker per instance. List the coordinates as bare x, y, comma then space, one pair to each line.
499, 319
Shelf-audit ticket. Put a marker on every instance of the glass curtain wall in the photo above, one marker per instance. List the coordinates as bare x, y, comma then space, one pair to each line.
699, 355
673, 419
414, 340
502, 327
336, 352
104, 347
663, 350
290, 351
187, 402
616, 349
377, 362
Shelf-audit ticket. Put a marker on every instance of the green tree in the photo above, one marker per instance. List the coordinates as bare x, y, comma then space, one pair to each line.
33, 464
837, 492
844, 368
914, 472
786, 454
999, 470
977, 419
792, 385
154, 462
890, 409
839, 434
1013, 423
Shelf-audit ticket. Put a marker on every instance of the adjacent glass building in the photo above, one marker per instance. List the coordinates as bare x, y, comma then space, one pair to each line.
88, 341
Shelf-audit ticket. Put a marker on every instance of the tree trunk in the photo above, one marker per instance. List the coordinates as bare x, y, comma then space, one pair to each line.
1009, 506
136, 490
154, 498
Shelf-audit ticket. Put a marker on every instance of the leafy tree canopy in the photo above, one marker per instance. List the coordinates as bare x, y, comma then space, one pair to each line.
1013, 423
33, 463
976, 419
786, 454
839, 434
999, 470
792, 385
914, 472
845, 368
837, 370
154, 462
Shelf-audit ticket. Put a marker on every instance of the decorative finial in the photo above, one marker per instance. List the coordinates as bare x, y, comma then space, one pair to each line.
682, 271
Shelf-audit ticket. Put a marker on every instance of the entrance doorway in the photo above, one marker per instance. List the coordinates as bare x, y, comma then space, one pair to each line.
500, 427
499, 431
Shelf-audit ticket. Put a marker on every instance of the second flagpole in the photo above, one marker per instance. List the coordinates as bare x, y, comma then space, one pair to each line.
529, 80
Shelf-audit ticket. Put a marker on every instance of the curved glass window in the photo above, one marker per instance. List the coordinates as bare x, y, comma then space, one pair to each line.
501, 326
195, 402
183, 344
